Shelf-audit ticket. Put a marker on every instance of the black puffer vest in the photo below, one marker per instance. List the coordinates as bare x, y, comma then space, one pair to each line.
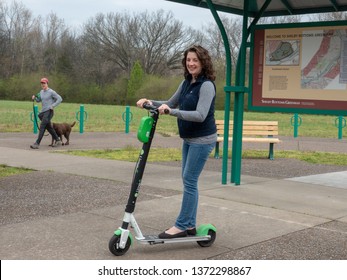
188, 101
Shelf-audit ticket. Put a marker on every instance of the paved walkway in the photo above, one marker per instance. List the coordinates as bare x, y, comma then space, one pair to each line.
71, 206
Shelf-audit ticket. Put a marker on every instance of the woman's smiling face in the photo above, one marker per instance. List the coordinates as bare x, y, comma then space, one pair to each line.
193, 64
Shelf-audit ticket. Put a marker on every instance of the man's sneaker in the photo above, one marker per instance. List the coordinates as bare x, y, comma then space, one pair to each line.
57, 143
34, 146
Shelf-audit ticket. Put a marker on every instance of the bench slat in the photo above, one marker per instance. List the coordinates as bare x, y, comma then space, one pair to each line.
251, 132
219, 122
253, 139
252, 126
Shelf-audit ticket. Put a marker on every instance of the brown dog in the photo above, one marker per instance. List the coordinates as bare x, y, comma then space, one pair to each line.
63, 129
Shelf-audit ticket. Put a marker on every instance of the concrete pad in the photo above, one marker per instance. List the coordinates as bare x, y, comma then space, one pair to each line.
69, 237
296, 197
85, 235
343, 219
323, 242
333, 179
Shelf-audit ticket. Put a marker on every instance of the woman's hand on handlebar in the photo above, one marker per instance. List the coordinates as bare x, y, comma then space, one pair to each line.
142, 101
164, 109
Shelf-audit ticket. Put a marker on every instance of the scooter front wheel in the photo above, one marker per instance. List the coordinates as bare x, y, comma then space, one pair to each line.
208, 243
113, 246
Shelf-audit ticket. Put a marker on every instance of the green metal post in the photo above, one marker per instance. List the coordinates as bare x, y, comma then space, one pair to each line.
296, 122
340, 128
239, 103
340, 123
81, 118
127, 118
227, 90
296, 126
239, 94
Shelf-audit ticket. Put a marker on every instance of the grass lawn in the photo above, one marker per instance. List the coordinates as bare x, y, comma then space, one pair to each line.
16, 116
156, 155
8, 170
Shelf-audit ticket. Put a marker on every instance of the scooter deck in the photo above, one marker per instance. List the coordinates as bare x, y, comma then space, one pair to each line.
154, 239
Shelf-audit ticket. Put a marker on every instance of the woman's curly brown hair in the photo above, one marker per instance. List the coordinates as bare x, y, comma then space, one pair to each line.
205, 59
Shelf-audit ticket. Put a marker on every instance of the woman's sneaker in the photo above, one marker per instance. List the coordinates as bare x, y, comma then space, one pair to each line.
34, 146
57, 143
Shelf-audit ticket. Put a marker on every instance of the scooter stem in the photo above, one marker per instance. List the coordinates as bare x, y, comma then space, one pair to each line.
140, 168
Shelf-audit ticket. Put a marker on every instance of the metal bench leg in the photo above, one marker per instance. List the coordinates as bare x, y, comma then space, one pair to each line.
271, 151
216, 150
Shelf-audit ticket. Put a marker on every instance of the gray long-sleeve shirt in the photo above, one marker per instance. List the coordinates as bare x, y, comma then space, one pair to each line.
49, 99
207, 93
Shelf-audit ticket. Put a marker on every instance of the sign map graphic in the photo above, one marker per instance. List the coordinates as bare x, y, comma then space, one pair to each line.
299, 68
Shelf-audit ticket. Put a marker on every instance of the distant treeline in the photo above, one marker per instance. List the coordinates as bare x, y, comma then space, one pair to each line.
101, 62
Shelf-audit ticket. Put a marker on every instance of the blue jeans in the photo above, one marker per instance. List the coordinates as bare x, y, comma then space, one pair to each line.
194, 157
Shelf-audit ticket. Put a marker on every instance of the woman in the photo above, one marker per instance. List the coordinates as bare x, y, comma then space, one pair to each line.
193, 104
49, 99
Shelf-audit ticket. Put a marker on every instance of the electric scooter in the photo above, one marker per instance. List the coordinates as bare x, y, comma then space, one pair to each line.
122, 239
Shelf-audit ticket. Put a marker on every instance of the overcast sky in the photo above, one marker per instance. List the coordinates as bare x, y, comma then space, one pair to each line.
77, 12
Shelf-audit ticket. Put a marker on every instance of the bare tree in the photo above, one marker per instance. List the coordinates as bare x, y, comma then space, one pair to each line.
54, 32
162, 41
156, 40
15, 26
214, 41
29, 44
112, 37
280, 19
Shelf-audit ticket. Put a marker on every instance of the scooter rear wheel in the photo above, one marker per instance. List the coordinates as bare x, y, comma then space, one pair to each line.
208, 243
113, 246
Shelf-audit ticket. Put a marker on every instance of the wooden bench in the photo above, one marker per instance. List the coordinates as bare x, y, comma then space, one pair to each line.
253, 131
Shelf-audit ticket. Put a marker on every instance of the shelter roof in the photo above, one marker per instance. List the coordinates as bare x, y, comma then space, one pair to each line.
275, 8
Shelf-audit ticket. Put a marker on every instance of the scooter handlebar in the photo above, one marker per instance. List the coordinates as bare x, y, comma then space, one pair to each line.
148, 106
